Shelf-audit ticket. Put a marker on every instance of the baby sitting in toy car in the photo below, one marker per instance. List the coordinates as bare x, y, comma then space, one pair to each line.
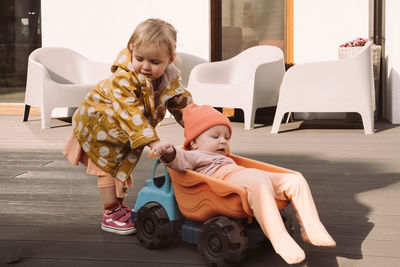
207, 135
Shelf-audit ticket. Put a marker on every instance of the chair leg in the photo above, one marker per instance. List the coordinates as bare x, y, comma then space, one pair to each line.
289, 117
249, 119
277, 121
26, 112
368, 122
45, 115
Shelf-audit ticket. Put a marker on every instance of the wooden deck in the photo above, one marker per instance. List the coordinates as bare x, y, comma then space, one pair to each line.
50, 210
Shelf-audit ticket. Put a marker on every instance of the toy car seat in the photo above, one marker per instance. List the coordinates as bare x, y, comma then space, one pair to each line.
201, 197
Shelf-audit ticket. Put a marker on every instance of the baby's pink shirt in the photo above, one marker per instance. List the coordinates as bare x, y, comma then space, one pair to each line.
200, 161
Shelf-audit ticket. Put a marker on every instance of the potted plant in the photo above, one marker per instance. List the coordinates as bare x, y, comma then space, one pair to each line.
353, 47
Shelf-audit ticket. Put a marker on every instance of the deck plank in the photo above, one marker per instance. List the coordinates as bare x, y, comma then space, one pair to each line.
50, 210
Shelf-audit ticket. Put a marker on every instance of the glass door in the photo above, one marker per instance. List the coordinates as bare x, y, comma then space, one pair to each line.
247, 23
19, 36
239, 24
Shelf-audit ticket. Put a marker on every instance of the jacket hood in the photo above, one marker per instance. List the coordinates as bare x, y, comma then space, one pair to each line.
123, 61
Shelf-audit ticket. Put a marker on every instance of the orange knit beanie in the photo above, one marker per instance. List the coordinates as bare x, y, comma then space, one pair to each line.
198, 119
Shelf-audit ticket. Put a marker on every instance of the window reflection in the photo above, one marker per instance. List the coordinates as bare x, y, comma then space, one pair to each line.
19, 36
247, 23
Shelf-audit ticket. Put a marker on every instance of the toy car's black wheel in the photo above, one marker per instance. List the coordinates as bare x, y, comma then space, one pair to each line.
222, 241
153, 226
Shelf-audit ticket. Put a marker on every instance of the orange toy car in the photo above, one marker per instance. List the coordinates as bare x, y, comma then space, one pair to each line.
206, 211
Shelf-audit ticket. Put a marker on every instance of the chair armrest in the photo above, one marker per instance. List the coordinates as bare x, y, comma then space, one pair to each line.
336, 75
96, 71
212, 72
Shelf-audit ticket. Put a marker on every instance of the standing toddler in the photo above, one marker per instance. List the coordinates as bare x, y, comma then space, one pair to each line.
117, 119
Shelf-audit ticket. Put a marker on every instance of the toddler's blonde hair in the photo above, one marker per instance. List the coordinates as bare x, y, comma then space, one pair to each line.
154, 31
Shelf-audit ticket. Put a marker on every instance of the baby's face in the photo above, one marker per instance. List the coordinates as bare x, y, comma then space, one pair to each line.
150, 60
215, 139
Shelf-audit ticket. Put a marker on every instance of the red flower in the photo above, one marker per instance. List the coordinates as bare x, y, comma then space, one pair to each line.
355, 42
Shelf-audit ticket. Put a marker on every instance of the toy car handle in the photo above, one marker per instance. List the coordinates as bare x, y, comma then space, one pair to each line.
151, 154
166, 186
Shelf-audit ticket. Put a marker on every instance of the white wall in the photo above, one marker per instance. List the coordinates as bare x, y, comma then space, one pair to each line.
392, 55
99, 29
320, 27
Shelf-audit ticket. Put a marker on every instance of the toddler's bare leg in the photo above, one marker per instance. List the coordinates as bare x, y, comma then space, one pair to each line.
295, 188
261, 200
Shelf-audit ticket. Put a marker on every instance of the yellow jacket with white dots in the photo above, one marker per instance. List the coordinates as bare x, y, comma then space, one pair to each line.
117, 119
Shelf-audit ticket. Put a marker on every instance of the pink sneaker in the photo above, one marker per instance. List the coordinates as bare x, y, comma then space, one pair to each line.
126, 208
118, 222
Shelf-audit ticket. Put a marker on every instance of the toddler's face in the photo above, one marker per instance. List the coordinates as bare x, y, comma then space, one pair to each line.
215, 139
150, 60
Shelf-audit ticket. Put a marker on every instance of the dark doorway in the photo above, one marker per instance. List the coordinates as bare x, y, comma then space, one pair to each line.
20, 34
239, 24
377, 36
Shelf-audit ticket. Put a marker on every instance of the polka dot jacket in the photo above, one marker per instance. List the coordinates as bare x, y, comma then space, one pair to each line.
117, 118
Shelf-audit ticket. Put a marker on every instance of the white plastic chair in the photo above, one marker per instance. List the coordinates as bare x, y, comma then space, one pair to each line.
247, 81
345, 85
185, 63
59, 77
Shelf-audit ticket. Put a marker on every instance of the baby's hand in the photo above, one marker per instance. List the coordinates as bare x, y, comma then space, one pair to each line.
165, 151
